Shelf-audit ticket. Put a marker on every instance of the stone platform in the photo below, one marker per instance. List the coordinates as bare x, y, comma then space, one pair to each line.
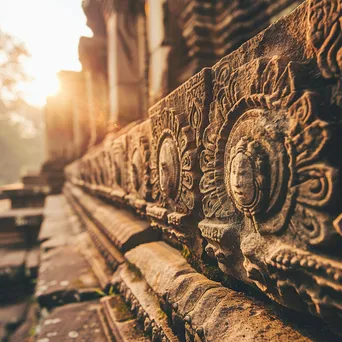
151, 294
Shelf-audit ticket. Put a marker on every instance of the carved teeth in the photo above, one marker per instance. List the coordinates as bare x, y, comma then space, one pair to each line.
338, 277
294, 261
330, 271
286, 260
303, 262
279, 258
311, 263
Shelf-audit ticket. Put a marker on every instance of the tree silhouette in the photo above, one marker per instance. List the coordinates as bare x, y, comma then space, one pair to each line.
21, 125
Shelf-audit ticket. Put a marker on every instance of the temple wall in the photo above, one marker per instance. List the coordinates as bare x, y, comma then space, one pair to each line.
234, 167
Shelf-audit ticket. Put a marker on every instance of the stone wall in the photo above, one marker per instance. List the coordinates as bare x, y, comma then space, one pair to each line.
240, 164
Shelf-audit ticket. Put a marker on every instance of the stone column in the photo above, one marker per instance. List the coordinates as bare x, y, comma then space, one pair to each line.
92, 54
126, 37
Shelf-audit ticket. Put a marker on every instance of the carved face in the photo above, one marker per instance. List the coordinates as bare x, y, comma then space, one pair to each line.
136, 169
242, 179
168, 167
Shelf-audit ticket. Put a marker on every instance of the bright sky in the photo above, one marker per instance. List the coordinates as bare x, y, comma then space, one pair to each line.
50, 30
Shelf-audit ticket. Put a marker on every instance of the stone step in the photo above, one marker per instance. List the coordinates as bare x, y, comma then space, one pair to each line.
74, 322
122, 228
11, 316
113, 257
65, 277
20, 227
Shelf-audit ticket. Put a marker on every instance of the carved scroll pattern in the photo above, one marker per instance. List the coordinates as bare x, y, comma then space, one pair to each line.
139, 161
265, 178
262, 154
173, 158
325, 35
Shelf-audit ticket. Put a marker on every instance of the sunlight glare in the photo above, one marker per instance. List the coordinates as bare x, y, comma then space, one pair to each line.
53, 45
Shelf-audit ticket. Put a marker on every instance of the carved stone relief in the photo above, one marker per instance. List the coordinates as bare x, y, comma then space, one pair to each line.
177, 126
139, 187
254, 143
325, 37
119, 167
267, 183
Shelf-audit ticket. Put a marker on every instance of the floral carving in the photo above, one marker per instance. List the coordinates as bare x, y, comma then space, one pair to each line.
325, 35
262, 155
119, 168
173, 158
266, 180
139, 163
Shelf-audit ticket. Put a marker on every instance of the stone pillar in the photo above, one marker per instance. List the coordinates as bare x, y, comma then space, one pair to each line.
92, 54
93, 57
59, 128
125, 21
168, 53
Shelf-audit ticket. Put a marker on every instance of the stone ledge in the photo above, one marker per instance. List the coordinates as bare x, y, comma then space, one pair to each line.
121, 227
111, 254
142, 302
203, 309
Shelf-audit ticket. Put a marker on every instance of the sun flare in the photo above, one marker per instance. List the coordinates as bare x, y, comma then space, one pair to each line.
53, 47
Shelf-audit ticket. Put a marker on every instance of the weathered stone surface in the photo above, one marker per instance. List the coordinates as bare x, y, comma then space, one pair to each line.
12, 315
112, 255
26, 331
55, 206
142, 302
65, 277
97, 262
121, 323
139, 186
243, 156
23, 196
73, 322
57, 228
201, 308
121, 227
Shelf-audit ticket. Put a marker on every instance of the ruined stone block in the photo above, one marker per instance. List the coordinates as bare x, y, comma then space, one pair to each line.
139, 152
177, 127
